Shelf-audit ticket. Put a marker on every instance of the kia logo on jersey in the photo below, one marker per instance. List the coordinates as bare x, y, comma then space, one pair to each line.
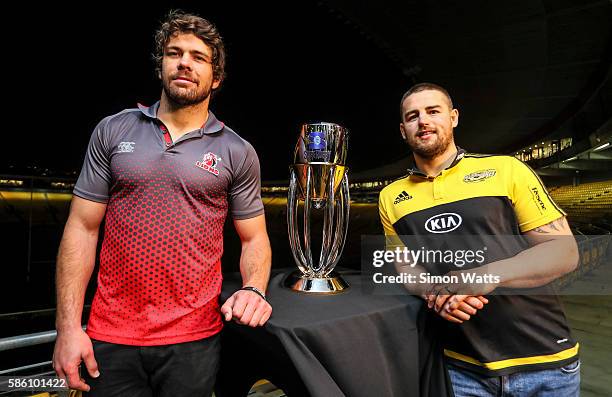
443, 223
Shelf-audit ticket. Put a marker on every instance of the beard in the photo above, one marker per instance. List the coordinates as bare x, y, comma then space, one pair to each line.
430, 150
185, 97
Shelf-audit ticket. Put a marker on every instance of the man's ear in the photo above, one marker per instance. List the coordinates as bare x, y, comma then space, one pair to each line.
216, 84
403, 131
455, 117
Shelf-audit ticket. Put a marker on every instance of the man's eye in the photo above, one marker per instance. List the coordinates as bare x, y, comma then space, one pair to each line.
171, 53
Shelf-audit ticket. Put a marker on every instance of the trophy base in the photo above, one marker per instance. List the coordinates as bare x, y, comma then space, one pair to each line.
332, 284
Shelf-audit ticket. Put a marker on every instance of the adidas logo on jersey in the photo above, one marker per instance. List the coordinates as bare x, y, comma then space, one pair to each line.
403, 196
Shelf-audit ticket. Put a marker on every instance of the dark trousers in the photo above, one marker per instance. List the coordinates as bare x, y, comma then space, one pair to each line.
182, 369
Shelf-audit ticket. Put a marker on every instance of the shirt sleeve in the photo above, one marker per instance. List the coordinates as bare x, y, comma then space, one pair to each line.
392, 240
245, 193
532, 204
384, 216
95, 178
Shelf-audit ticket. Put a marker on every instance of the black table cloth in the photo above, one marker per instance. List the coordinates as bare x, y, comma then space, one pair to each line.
350, 344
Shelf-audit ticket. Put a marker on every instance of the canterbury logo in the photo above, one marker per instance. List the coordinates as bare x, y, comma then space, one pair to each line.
403, 196
126, 147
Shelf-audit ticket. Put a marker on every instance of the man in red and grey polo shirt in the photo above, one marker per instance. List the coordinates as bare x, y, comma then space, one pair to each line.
163, 178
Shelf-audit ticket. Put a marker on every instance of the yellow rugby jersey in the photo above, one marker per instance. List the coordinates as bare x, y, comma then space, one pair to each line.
485, 195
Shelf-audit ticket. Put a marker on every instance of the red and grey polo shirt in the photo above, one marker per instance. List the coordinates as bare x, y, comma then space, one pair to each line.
160, 264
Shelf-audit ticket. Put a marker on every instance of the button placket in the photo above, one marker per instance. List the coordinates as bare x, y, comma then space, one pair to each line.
167, 137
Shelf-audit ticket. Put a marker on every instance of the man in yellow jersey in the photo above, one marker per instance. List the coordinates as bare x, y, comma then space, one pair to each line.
515, 343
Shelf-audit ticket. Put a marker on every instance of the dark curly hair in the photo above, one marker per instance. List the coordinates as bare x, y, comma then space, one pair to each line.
178, 22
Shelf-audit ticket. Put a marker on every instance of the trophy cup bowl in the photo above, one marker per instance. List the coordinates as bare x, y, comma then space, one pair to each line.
319, 179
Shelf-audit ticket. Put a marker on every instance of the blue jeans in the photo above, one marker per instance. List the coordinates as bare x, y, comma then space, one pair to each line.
557, 382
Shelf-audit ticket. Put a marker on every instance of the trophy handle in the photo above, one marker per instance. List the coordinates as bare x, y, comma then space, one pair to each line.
328, 224
292, 225
341, 224
307, 205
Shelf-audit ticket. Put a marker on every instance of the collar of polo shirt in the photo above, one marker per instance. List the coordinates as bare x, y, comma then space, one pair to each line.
211, 126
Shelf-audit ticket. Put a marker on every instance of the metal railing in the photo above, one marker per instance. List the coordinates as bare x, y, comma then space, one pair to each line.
27, 340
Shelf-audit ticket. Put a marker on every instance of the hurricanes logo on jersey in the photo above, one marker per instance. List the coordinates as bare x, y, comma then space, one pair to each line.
479, 176
209, 163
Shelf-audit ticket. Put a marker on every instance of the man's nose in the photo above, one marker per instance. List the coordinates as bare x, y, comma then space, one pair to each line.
424, 120
185, 62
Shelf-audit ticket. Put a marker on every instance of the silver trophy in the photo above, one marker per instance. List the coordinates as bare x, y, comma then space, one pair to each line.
319, 180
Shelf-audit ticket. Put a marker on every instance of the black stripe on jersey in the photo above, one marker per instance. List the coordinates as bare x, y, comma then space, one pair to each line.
480, 155
399, 177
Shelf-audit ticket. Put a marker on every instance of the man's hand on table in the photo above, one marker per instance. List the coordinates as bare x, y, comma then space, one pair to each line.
247, 308
463, 308
458, 303
451, 306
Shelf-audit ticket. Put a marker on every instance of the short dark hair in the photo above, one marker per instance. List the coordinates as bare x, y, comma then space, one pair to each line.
178, 22
423, 87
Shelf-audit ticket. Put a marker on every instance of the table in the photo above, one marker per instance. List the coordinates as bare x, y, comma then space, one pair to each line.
351, 344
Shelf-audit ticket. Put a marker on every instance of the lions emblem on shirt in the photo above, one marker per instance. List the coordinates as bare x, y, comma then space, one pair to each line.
209, 163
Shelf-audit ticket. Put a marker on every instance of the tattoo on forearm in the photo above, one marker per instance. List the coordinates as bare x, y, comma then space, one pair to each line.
556, 225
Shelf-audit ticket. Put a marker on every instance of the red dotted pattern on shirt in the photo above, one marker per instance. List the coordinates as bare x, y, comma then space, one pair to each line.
160, 264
